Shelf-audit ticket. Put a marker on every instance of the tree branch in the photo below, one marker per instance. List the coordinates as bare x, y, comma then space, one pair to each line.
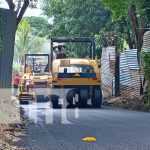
141, 33
22, 11
18, 6
132, 13
10, 4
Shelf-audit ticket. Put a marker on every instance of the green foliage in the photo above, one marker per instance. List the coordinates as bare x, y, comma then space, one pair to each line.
123, 12
120, 8
148, 105
26, 42
146, 70
79, 50
146, 8
76, 18
40, 26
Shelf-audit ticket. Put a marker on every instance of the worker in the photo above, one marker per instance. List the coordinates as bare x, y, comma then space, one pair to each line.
60, 53
27, 84
32, 85
16, 81
37, 68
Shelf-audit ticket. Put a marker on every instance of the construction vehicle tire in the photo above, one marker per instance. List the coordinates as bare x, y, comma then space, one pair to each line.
96, 97
54, 100
70, 95
83, 96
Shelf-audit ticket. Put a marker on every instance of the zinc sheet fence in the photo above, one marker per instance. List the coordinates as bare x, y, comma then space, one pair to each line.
146, 41
107, 71
130, 76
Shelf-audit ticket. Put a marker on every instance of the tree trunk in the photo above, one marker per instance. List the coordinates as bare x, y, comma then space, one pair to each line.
11, 4
140, 38
6, 55
129, 40
138, 29
134, 21
22, 11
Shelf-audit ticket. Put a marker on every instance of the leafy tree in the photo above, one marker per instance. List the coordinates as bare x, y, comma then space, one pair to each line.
76, 19
25, 41
137, 11
40, 26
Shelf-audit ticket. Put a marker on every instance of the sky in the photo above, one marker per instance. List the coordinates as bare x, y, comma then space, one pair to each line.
29, 12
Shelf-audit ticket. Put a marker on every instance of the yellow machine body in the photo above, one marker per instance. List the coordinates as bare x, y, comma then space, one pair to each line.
28, 74
75, 80
40, 80
76, 77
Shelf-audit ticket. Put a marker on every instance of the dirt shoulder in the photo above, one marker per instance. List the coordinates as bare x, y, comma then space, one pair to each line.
131, 104
10, 134
11, 124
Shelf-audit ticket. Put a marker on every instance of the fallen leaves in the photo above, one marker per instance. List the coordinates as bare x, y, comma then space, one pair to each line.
9, 135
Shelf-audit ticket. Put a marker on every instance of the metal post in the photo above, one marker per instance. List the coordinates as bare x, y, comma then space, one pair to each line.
34, 65
25, 65
90, 51
117, 69
51, 46
93, 51
112, 87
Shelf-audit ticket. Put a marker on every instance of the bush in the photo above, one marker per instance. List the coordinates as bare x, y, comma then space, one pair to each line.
146, 72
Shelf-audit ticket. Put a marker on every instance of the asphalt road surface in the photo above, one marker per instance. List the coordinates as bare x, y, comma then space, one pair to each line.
114, 129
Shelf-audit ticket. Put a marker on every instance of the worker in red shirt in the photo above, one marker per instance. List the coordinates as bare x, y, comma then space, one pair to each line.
32, 85
16, 81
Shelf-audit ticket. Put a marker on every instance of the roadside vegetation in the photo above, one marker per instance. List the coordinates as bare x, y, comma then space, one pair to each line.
146, 72
78, 19
26, 42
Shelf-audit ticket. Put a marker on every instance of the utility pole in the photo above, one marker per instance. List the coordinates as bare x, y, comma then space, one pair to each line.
117, 69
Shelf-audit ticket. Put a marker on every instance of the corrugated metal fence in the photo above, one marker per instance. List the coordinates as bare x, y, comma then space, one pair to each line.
107, 71
146, 42
130, 77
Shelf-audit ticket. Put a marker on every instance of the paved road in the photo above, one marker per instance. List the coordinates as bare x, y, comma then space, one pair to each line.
115, 129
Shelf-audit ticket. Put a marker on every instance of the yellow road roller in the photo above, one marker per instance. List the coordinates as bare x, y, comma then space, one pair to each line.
35, 77
77, 78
